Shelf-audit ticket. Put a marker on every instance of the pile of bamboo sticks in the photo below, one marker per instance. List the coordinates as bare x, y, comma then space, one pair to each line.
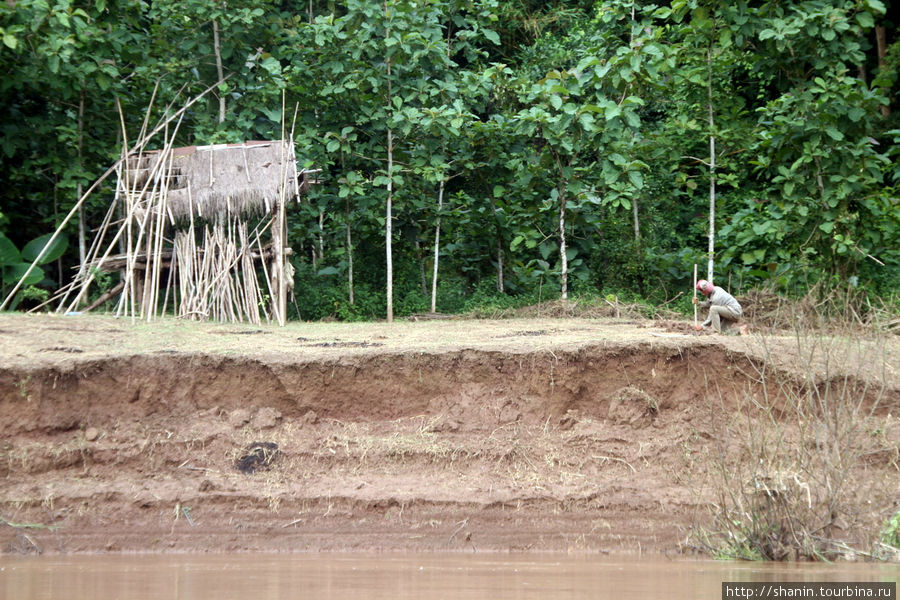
218, 279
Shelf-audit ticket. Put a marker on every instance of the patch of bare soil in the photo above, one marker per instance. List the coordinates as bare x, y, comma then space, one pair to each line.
435, 435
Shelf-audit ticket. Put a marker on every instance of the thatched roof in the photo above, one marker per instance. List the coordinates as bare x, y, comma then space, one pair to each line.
225, 178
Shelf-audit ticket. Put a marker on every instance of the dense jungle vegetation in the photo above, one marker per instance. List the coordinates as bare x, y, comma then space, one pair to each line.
533, 150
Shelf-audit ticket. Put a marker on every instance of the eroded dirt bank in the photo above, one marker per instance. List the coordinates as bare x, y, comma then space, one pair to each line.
592, 446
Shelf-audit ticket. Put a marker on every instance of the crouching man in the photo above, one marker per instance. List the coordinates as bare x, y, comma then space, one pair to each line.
724, 310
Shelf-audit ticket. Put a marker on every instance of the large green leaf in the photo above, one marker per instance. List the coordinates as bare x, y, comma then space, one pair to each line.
13, 273
9, 254
637, 179
56, 249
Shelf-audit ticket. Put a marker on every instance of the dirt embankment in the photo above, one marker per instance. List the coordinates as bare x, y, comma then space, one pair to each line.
517, 436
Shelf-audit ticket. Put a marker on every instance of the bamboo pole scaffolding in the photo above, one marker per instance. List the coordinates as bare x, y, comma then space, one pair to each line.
93, 187
87, 193
129, 293
225, 260
87, 276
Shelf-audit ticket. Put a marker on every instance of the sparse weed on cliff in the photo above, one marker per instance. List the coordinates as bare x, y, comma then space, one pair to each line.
786, 475
890, 533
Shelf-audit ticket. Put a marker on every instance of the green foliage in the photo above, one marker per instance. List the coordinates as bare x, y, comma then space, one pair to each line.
739, 549
15, 264
35, 293
825, 201
324, 296
43, 250
103, 279
890, 532
486, 301
499, 118
16, 267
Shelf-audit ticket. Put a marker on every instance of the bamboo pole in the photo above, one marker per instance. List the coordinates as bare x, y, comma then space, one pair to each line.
188, 242
183, 272
213, 264
132, 259
157, 256
258, 298
234, 282
154, 261
695, 294
293, 153
169, 282
217, 262
157, 176
205, 259
241, 296
129, 294
152, 216
160, 225
129, 198
265, 270
249, 275
128, 290
154, 270
146, 120
130, 195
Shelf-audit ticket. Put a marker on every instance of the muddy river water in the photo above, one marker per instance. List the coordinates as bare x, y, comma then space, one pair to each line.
399, 577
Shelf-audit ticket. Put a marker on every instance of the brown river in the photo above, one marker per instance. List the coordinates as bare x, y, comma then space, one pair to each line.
399, 577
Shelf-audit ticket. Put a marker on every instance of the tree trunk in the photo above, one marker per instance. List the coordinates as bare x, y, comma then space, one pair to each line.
387, 224
712, 169
500, 285
637, 223
420, 258
219, 70
881, 43
564, 270
437, 245
349, 254
321, 235
390, 193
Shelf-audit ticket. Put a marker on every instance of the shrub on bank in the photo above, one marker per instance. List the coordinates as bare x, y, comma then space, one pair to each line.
789, 478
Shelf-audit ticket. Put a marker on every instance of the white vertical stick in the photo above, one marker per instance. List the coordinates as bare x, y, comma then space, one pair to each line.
695, 294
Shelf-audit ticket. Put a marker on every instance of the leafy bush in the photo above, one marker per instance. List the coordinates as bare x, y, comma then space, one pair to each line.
486, 301
890, 533
14, 264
